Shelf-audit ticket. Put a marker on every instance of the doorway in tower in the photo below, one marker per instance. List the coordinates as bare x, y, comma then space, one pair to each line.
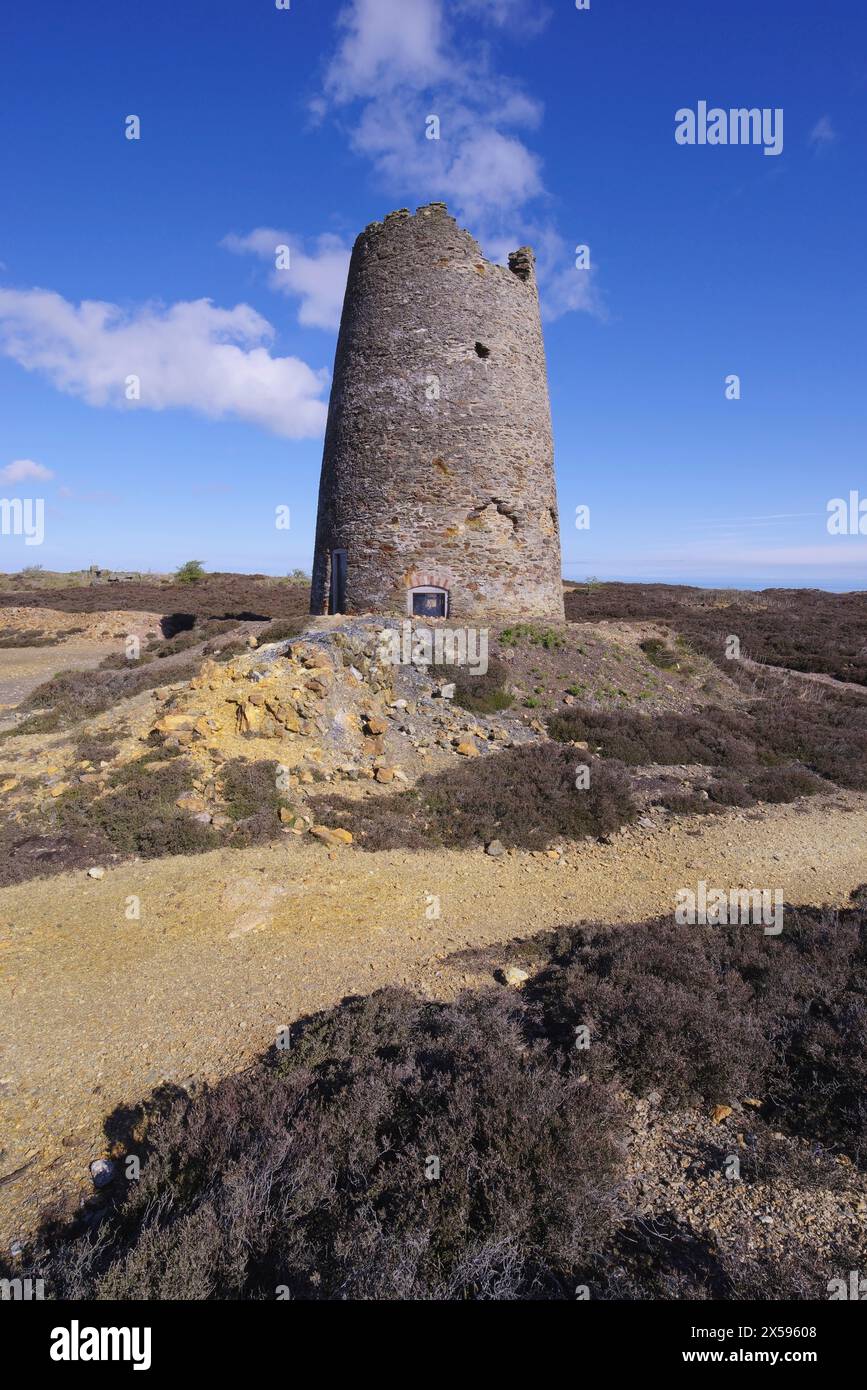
337, 595
426, 601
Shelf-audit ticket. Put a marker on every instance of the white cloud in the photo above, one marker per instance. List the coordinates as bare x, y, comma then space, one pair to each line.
398, 63
563, 288
190, 355
317, 278
386, 44
823, 133
398, 59
20, 469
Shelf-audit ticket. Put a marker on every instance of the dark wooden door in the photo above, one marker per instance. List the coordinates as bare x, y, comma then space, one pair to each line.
337, 602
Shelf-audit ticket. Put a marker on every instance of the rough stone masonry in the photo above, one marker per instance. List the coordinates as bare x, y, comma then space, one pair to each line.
437, 495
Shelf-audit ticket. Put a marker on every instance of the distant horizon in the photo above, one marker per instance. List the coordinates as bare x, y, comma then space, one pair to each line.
749, 585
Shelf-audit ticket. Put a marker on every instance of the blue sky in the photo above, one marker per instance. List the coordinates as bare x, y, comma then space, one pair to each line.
154, 257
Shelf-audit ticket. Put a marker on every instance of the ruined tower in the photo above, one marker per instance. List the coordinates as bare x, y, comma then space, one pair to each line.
437, 494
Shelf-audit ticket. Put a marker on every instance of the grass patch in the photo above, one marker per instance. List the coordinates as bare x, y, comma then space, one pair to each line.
547, 637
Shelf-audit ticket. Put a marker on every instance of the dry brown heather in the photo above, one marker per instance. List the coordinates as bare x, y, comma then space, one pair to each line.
804, 630
239, 596
438, 463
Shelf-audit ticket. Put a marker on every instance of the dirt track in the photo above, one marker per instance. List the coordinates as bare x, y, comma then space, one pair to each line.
93, 636
97, 1009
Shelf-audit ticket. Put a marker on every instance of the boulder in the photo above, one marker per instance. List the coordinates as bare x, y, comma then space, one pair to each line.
513, 976
331, 836
175, 724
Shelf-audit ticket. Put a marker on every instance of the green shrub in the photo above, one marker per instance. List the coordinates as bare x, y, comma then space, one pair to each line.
659, 654
190, 572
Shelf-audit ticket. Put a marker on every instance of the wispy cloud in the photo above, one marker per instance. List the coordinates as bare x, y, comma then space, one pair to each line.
507, 13
89, 497
774, 519
317, 277
21, 469
822, 134
191, 355
841, 553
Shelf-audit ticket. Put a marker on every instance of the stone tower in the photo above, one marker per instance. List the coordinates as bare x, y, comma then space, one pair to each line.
437, 494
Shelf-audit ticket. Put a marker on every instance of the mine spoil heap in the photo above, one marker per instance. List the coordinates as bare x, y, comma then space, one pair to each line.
437, 494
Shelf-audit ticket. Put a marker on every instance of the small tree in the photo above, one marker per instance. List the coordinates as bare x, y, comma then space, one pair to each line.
190, 572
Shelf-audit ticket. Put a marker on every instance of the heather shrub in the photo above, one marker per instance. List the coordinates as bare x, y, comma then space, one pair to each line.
784, 784
249, 787
314, 1172
522, 796
805, 630
728, 790
97, 747
685, 803
715, 1013
281, 630
72, 696
829, 736
252, 799
660, 1017
666, 1259
639, 739
33, 637
137, 813
311, 1171
756, 752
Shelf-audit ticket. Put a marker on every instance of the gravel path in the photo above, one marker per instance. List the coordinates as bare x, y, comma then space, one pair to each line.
23, 668
101, 635
96, 1009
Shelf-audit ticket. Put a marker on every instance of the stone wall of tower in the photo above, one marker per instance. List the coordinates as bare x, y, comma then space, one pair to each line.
438, 463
